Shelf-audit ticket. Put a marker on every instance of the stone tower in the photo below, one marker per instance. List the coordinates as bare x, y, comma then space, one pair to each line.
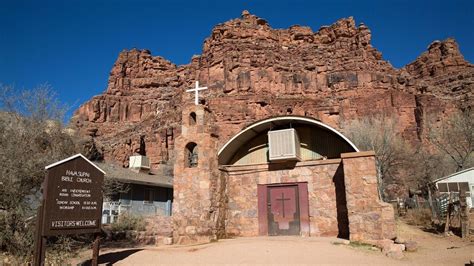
199, 188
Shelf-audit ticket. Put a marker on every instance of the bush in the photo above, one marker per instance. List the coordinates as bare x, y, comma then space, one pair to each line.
419, 217
31, 137
60, 250
16, 234
129, 222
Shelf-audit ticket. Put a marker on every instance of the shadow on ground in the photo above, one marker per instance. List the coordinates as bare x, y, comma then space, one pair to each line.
112, 257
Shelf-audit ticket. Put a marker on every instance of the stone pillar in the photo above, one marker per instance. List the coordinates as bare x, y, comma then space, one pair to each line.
369, 217
196, 206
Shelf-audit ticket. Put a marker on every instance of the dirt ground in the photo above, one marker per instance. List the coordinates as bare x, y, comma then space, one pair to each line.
433, 249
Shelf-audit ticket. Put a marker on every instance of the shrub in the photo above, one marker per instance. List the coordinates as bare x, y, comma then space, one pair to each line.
419, 217
60, 250
16, 234
129, 222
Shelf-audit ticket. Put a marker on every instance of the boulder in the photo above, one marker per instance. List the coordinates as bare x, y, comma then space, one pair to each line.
411, 246
399, 240
340, 241
394, 251
168, 241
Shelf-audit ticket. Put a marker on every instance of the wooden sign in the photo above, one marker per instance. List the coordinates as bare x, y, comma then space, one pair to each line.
73, 197
72, 201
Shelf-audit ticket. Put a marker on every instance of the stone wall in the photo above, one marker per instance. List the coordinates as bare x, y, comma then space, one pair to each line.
199, 192
321, 176
342, 194
369, 217
158, 228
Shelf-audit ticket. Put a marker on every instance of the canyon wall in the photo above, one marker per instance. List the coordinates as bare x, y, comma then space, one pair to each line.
254, 72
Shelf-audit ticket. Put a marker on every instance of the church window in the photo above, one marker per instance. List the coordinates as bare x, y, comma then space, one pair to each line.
192, 118
191, 155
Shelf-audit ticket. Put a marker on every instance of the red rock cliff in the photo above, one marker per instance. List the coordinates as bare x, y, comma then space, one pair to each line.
254, 71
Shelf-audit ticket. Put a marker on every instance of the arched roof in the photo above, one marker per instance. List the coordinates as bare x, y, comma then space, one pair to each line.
230, 147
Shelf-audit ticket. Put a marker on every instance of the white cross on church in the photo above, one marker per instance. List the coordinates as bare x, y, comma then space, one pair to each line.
196, 94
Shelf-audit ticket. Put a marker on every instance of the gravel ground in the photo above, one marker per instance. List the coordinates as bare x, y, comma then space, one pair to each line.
433, 250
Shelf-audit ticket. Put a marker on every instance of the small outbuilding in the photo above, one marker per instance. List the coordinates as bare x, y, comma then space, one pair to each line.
457, 182
146, 193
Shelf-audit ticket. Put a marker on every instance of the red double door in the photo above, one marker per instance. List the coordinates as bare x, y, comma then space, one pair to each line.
283, 209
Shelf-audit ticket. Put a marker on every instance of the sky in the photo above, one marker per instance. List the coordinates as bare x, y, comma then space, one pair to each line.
72, 44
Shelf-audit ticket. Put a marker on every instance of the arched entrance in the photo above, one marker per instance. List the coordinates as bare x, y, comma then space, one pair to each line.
305, 196
310, 128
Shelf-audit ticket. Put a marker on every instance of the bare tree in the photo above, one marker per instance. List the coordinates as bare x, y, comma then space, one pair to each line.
454, 137
425, 165
31, 137
380, 135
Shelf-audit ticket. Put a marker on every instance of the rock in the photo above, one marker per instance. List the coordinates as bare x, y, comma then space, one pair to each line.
393, 251
168, 241
411, 246
254, 72
399, 240
384, 244
403, 247
191, 230
449, 233
341, 241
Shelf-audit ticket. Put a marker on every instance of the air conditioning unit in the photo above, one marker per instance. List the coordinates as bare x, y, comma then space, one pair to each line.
284, 145
139, 163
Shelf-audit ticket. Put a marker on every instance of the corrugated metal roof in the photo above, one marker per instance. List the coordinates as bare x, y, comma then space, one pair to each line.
455, 174
232, 146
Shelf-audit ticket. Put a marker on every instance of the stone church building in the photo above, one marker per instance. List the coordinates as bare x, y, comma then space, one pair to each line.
283, 175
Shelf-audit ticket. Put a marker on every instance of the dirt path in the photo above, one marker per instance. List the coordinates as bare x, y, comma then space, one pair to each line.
258, 250
433, 249
436, 249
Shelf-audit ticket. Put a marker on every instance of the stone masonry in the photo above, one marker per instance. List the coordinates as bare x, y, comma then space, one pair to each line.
369, 217
213, 201
342, 194
198, 195
321, 176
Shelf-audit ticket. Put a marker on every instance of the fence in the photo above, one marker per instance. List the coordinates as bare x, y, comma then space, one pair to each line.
450, 209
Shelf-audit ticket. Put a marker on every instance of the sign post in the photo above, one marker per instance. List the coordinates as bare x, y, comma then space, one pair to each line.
72, 202
40, 241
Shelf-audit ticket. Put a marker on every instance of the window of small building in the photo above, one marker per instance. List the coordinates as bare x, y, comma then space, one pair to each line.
114, 197
126, 197
148, 197
192, 118
453, 187
191, 159
464, 186
443, 187
161, 194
